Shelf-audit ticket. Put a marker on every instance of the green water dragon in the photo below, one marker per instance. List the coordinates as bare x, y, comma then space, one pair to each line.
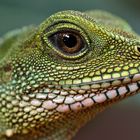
57, 76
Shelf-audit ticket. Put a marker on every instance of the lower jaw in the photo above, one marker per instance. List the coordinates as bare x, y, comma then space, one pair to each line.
105, 96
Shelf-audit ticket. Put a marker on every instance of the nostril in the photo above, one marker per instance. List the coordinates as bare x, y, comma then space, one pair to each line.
138, 48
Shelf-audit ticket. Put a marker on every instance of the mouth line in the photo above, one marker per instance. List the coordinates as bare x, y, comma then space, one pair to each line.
124, 79
93, 86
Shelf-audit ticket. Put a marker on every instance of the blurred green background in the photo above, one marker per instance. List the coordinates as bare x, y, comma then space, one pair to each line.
119, 122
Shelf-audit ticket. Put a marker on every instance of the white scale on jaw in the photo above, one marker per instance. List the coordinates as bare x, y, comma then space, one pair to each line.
102, 97
75, 102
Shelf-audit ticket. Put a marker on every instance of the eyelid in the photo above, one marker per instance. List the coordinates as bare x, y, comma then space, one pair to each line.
66, 26
63, 28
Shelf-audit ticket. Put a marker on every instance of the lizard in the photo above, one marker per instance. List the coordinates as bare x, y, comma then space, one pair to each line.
57, 76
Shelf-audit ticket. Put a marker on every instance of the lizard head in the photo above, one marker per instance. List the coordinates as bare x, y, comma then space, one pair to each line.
73, 62
85, 62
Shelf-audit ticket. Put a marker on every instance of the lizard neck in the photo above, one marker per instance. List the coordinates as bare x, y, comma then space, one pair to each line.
66, 125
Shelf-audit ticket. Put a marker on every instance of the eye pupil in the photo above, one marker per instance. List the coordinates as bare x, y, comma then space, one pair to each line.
70, 40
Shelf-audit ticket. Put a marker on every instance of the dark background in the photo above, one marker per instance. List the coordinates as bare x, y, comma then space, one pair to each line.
118, 122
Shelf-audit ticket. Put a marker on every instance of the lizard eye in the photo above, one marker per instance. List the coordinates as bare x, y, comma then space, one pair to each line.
67, 42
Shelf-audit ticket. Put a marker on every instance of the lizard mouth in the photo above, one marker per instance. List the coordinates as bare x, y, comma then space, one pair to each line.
75, 97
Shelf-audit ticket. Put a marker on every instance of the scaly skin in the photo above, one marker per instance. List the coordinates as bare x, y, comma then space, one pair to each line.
59, 75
